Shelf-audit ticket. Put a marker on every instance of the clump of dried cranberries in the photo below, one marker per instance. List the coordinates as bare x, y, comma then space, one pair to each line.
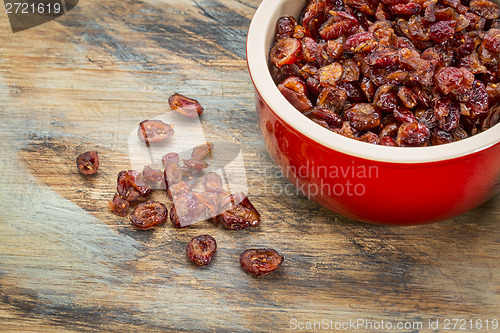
406, 73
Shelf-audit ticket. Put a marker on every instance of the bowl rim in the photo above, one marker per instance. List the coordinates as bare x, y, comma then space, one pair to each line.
259, 39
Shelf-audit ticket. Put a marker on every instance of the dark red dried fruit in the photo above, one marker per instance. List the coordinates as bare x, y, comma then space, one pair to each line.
338, 24
491, 40
119, 206
212, 182
196, 164
453, 79
200, 151
152, 175
424, 63
485, 9
201, 249
285, 27
132, 187
260, 262
412, 135
186, 106
149, 214
187, 210
173, 174
295, 91
88, 162
404, 115
170, 158
441, 31
286, 51
363, 116
153, 131
241, 215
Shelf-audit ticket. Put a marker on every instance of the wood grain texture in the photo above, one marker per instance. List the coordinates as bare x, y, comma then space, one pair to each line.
84, 82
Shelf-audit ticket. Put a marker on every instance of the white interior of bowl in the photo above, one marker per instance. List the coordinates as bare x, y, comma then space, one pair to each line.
260, 38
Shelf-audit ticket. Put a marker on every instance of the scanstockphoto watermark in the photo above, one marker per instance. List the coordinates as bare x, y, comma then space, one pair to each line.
445, 324
355, 325
332, 180
26, 14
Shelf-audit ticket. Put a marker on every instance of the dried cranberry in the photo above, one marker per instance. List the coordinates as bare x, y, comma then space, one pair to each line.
152, 175
363, 116
201, 249
195, 164
440, 136
354, 41
407, 97
441, 31
173, 173
329, 75
338, 24
491, 119
212, 182
410, 8
332, 98
241, 216
170, 158
412, 135
286, 51
309, 49
187, 209
294, 90
365, 6
452, 79
132, 187
330, 117
200, 151
404, 115
186, 106
485, 9
118, 206
260, 262
491, 40
153, 131
88, 162
313, 17
149, 214
285, 27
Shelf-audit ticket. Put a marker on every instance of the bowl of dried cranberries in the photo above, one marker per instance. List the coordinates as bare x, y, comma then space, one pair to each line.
383, 111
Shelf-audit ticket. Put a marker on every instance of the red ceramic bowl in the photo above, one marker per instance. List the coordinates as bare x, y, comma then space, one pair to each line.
370, 183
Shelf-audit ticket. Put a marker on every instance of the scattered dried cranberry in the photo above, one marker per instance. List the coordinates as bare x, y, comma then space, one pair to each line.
201, 249
153, 131
132, 187
200, 151
118, 206
170, 158
186, 106
149, 214
152, 175
260, 262
212, 182
88, 162
242, 215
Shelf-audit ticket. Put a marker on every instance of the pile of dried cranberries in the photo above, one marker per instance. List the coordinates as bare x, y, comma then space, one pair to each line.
392, 72
188, 205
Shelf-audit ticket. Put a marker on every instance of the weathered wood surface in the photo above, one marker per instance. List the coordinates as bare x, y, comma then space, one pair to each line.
67, 264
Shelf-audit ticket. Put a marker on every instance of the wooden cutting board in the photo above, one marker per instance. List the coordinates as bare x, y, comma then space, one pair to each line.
84, 81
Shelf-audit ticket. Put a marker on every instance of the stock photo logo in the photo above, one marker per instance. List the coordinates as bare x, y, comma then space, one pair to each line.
222, 162
26, 14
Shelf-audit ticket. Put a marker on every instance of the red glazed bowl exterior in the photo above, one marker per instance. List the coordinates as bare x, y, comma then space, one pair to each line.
374, 184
